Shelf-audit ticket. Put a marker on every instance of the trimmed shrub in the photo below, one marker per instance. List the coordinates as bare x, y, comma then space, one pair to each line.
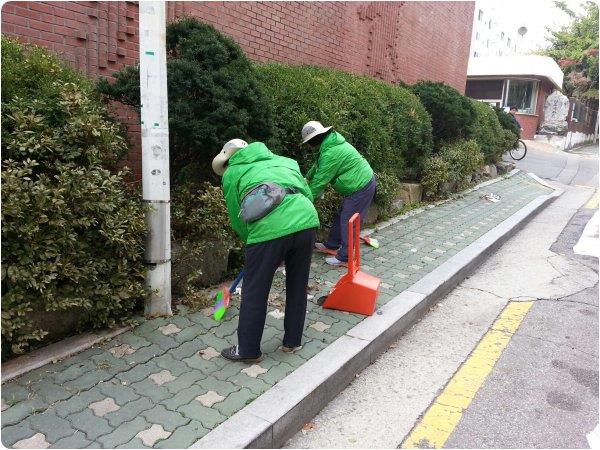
387, 124
488, 133
464, 158
388, 191
214, 96
202, 236
506, 121
452, 114
436, 174
72, 233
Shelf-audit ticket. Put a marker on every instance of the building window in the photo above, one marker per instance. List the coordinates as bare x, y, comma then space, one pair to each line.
508, 43
480, 15
522, 94
489, 90
490, 24
475, 54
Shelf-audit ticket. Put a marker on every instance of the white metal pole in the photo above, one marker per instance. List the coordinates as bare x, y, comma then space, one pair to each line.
155, 155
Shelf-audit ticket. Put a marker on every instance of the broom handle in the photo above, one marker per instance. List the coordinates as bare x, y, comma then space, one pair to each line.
354, 244
236, 282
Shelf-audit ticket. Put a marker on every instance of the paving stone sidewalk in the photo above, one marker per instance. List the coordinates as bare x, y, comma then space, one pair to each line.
164, 385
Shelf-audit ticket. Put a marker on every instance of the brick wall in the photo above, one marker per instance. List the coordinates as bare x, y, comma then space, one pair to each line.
391, 41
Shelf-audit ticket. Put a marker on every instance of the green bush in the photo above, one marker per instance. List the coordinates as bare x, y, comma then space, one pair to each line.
452, 114
201, 232
386, 123
488, 133
388, 190
464, 158
72, 234
213, 94
436, 174
506, 121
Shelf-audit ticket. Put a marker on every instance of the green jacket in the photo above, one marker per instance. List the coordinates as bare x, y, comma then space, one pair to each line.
341, 164
256, 164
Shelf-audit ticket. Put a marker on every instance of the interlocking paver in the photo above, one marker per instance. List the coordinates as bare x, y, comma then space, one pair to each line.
78, 402
92, 425
147, 388
153, 434
129, 411
170, 420
23, 409
75, 440
103, 407
208, 417
185, 380
256, 385
184, 436
210, 398
162, 377
138, 373
183, 397
124, 433
51, 425
38, 440
18, 432
116, 390
121, 350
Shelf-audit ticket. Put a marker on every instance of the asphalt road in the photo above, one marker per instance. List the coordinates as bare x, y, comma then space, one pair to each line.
542, 391
576, 168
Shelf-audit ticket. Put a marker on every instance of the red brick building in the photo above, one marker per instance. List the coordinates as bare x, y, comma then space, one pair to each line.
405, 41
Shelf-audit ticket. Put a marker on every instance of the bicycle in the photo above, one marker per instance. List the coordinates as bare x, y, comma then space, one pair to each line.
519, 152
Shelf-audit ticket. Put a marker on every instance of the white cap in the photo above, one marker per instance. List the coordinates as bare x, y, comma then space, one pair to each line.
227, 152
311, 129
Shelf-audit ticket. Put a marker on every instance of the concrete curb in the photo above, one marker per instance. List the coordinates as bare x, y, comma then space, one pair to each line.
54, 352
274, 417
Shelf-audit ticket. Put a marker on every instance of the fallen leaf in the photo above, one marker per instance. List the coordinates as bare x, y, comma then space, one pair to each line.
308, 427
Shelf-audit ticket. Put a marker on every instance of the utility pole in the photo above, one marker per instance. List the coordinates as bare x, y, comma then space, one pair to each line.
155, 155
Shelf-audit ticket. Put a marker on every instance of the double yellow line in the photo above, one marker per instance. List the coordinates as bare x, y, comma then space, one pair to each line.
442, 417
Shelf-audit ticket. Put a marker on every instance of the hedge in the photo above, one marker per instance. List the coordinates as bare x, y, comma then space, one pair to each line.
386, 123
214, 96
72, 233
488, 133
452, 114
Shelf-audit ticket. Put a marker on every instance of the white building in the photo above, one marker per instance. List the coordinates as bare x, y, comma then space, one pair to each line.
491, 35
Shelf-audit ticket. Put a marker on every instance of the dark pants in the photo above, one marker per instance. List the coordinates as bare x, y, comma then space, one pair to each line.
262, 260
358, 202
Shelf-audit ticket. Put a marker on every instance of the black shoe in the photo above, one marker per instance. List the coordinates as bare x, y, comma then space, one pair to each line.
232, 354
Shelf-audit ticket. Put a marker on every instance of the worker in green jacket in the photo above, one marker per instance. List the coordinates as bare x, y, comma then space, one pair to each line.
254, 181
340, 164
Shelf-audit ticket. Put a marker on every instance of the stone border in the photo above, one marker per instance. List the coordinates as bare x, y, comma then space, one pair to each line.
54, 352
275, 416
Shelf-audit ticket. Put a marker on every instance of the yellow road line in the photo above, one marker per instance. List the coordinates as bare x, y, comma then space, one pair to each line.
593, 202
445, 412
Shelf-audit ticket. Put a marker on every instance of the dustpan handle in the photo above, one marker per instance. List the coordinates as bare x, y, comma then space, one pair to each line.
354, 244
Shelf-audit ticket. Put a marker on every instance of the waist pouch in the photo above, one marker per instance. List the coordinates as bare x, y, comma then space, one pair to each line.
261, 200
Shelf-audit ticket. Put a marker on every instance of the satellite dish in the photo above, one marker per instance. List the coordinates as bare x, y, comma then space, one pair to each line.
522, 31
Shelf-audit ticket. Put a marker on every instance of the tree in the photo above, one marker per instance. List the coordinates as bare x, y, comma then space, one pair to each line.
575, 49
214, 96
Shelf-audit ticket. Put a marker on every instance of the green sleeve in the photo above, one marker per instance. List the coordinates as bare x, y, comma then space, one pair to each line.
233, 208
311, 172
326, 169
304, 189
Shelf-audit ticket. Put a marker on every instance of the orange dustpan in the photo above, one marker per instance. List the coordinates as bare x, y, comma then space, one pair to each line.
356, 291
